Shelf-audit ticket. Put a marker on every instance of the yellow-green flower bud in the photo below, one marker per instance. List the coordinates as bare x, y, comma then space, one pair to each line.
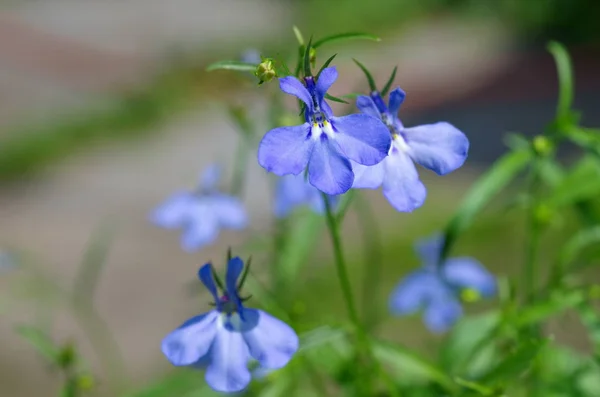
85, 382
544, 214
542, 145
470, 295
265, 71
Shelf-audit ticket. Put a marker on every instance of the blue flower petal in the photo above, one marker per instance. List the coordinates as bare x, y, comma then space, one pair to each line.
415, 291
328, 171
440, 147
192, 340
442, 313
271, 341
199, 232
396, 98
210, 177
326, 79
234, 269
362, 138
292, 190
205, 275
366, 105
469, 273
228, 371
401, 185
230, 211
368, 177
173, 212
293, 86
429, 249
286, 150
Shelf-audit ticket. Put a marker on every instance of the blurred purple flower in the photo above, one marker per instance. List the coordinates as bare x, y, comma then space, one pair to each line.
439, 147
293, 191
437, 289
202, 213
225, 339
324, 143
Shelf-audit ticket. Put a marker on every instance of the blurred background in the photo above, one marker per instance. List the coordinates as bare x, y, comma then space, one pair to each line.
105, 109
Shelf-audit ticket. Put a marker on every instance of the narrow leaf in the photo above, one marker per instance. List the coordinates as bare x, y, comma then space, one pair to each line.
483, 190
300, 241
344, 37
575, 246
232, 65
298, 35
306, 63
565, 78
335, 99
582, 182
372, 85
389, 83
327, 62
40, 342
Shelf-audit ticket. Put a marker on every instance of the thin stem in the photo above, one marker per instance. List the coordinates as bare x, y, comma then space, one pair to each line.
530, 267
371, 236
239, 170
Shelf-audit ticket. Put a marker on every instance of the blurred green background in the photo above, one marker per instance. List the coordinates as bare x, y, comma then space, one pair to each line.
106, 109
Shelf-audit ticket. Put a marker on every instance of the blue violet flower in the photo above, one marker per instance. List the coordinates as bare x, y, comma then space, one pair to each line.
201, 213
439, 147
226, 338
324, 143
438, 288
293, 191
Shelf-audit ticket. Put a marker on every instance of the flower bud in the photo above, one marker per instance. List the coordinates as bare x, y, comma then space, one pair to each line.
265, 71
85, 382
542, 145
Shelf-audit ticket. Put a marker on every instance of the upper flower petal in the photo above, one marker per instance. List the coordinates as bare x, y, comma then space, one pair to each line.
368, 177
366, 105
270, 341
326, 79
442, 313
328, 171
293, 86
173, 212
228, 371
192, 340
440, 147
286, 150
362, 138
401, 184
234, 269
429, 249
415, 291
206, 277
230, 211
210, 177
396, 98
467, 272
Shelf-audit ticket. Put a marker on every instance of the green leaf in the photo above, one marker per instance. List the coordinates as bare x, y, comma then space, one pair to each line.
565, 79
590, 318
40, 341
335, 99
181, 383
580, 183
327, 62
516, 362
372, 85
388, 85
320, 336
92, 264
483, 190
345, 37
298, 35
232, 65
468, 350
410, 365
576, 245
558, 302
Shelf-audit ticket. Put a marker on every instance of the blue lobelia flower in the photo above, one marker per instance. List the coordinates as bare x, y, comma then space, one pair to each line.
439, 147
324, 143
201, 213
225, 339
437, 288
293, 191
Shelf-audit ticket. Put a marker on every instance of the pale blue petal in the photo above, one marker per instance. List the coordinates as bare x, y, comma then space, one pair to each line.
271, 341
199, 233
366, 105
396, 98
469, 273
326, 79
292, 190
228, 371
205, 275
326, 109
192, 340
171, 214
440, 147
368, 177
362, 138
293, 86
415, 291
210, 177
401, 185
234, 270
230, 211
328, 171
429, 249
441, 314
286, 150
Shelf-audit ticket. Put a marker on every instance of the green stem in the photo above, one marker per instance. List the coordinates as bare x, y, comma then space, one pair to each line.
371, 236
530, 267
239, 170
